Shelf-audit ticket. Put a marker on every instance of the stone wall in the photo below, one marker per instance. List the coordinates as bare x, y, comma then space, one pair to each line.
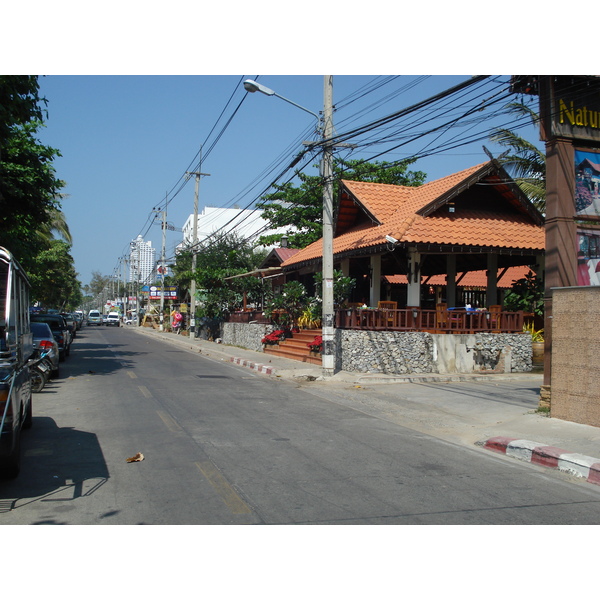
245, 335
575, 395
395, 352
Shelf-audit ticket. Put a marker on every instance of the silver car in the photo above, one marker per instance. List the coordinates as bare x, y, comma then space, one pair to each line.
43, 341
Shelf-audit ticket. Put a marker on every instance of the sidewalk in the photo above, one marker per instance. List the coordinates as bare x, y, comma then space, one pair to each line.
505, 427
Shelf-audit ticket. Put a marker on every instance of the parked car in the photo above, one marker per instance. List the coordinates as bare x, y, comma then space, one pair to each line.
43, 341
114, 319
60, 331
71, 323
78, 316
94, 317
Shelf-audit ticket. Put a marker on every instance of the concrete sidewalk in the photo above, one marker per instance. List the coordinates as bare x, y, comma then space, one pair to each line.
509, 428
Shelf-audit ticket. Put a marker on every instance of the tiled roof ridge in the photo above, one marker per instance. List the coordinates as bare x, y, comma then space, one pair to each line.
459, 176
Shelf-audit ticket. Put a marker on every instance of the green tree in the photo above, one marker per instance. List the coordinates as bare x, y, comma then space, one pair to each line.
98, 283
217, 258
525, 162
54, 279
526, 294
301, 207
29, 188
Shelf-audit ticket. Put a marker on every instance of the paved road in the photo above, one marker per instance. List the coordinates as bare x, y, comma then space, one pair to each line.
223, 445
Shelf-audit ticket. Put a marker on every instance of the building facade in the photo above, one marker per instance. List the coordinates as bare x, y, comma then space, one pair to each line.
142, 261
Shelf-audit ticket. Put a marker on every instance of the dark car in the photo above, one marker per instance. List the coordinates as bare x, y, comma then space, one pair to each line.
60, 331
78, 316
71, 323
44, 341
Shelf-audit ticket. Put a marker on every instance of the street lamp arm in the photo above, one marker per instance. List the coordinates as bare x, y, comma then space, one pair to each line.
253, 86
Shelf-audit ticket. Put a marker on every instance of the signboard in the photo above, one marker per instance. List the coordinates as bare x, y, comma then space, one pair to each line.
573, 105
588, 256
154, 292
587, 184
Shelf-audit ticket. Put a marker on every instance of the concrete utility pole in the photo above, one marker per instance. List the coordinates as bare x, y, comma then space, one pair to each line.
194, 249
328, 353
162, 270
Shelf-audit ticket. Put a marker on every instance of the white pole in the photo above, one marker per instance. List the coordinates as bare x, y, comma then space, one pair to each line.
328, 319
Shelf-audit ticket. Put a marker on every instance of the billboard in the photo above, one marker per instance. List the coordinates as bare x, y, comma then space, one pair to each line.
588, 255
154, 292
587, 184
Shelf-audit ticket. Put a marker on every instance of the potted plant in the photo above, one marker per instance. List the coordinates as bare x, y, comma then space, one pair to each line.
537, 343
316, 346
273, 338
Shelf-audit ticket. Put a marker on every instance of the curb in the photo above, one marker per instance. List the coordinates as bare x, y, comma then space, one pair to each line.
579, 465
252, 365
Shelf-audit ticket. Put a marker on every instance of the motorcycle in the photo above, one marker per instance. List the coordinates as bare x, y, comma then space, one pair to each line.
40, 369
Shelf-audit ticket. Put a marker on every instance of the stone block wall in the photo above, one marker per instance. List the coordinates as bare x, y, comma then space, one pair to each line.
575, 394
245, 335
395, 352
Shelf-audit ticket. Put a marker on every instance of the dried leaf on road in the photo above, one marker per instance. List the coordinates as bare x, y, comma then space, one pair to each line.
137, 458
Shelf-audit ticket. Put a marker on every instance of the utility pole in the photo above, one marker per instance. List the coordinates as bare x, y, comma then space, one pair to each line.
162, 269
198, 174
328, 353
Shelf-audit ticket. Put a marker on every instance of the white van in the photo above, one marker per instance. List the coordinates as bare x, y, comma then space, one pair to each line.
94, 317
114, 318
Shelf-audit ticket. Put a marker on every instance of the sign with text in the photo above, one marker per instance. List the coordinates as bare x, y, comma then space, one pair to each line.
154, 292
574, 107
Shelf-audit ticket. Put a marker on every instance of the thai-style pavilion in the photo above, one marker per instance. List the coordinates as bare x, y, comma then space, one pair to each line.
474, 220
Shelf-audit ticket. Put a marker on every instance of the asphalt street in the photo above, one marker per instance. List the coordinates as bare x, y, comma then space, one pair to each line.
224, 444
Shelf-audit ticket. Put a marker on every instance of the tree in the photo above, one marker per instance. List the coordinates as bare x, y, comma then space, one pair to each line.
217, 258
53, 278
526, 294
301, 207
29, 189
526, 163
98, 283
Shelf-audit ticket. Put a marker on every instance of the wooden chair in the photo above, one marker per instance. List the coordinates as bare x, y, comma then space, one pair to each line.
495, 310
441, 315
388, 305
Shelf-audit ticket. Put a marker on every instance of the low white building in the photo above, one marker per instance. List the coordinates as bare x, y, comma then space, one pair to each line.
245, 223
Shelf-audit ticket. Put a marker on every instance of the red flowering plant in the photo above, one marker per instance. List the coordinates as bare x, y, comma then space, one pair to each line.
273, 337
317, 344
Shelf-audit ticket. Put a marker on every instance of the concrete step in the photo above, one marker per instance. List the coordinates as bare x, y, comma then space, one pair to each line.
295, 348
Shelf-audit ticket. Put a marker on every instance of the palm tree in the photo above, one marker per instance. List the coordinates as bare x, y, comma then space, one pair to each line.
525, 162
56, 223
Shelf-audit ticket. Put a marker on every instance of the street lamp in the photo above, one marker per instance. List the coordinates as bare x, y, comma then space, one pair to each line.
253, 86
328, 320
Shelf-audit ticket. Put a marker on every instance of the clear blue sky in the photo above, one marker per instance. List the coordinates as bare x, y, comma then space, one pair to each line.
127, 141
128, 112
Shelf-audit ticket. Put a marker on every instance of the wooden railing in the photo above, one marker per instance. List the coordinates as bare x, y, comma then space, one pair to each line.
412, 319
434, 321
247, 316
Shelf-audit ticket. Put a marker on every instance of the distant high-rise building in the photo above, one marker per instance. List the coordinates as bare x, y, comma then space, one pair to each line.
142, 261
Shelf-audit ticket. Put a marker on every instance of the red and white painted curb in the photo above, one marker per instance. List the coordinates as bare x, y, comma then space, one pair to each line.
547, 456
252, 365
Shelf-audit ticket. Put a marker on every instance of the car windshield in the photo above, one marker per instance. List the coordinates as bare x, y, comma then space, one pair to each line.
40, 330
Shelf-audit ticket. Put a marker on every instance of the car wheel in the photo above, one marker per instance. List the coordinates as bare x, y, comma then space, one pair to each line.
55, 373
28, 419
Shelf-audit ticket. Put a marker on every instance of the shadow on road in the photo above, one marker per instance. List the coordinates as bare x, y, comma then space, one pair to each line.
58, 464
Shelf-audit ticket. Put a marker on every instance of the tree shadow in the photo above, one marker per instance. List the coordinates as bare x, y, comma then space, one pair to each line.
58, 464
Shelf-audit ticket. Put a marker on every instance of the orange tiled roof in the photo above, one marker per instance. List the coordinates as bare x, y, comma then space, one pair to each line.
412, 215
